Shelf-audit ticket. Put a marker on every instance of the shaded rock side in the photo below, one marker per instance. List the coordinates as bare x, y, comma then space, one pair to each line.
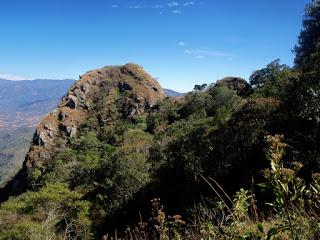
133, 90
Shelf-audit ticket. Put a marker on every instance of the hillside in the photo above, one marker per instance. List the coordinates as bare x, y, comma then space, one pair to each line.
234, 159
13, 148
105, 94
115, 142
23, 104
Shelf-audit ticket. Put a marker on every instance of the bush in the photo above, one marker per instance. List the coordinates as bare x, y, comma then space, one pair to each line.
38, 214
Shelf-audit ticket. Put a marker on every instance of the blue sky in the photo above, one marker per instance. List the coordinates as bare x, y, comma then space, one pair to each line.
181, 43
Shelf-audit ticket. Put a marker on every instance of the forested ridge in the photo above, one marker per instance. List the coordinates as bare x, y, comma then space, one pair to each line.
229, 160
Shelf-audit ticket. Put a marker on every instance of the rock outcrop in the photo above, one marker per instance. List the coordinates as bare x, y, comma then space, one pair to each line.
128, 87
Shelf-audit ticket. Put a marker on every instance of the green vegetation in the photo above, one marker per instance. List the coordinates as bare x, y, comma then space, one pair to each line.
231, 160
52, 212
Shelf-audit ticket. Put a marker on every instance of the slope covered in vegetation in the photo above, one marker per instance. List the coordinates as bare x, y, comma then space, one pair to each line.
232, 160
23, 104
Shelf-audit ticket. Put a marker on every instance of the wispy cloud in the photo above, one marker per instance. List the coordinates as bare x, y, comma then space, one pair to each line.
182, 44
188, 4
173, 4
174, 7
199, 57
201, 54
176, 11
158, 6
13, 77
138, 7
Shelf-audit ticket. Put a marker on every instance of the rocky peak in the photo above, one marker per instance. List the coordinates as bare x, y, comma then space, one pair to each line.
129, 88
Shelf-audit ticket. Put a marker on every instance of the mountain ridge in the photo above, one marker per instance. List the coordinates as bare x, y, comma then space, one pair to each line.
24, 103
128, 86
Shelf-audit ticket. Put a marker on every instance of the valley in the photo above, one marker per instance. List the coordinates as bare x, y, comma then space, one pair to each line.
23, 105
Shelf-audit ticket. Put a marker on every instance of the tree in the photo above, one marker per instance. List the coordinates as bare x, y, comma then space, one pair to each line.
164, 113
305, 95
225, 102
268, 74
37, 215
200, 87
308, 48
196, 104
239, 85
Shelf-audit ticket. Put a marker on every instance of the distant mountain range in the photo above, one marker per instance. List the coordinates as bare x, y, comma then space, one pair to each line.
171, 93
22, 105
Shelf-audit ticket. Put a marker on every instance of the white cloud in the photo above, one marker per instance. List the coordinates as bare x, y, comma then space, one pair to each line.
188, 4
201, 54
182, 44
176, 11
199, 57
173, 4
158, 6
12, 77
137, 7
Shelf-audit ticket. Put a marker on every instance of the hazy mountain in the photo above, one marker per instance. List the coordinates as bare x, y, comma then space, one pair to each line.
22, 105
172, 93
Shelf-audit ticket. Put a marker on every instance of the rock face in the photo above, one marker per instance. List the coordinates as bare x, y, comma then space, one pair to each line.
128, 87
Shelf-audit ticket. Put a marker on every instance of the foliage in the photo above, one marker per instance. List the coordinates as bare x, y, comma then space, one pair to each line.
129, 150
239, 85
272, 80
196, 104
38, 215
268, 74
291, 220
200, 87
225, 102
308, 48
219, 102
162, 115
306, 91
241, 205
290, 191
